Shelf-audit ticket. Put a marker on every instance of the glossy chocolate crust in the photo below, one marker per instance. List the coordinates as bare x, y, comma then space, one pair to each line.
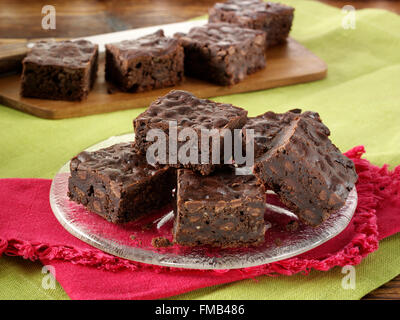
151, 62
266, 127
189, 112
223, 53
296, 159
273, 18
64, 70
118, 184
222, 209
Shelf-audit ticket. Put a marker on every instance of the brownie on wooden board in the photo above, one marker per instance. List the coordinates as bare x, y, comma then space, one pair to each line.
222, 209
64, 70
223, 53
150, 62
118, 184
295, 158
187, 111
273, 18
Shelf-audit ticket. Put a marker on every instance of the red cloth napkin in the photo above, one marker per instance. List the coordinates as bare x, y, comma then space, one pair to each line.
29, 229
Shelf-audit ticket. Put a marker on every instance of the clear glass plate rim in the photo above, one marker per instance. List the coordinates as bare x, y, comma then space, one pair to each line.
168, 260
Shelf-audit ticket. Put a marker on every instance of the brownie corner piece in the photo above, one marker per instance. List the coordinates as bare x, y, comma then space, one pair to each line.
150, 62
59, 70
279, 24
183, 109
273, 18
222, 209
223, 53
300, 163
118, 184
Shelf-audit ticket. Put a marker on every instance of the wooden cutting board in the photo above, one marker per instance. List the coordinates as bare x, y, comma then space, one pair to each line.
286, 65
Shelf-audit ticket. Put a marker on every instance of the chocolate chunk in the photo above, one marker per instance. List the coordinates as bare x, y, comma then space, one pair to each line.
160, 242
292, 226
278, 242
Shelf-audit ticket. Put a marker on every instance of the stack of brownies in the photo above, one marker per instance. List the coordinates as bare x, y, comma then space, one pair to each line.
213, 204
224, 51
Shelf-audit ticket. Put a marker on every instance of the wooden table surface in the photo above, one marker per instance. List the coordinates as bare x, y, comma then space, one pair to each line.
21, 20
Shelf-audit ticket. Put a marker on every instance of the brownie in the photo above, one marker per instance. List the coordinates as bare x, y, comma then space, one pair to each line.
223, 53
118, 184
273, 18
64, 70
188, 111
222, 209
151, 62
295, 158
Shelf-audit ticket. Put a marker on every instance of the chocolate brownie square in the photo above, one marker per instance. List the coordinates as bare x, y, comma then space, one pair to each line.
273, 18
64, 70
223, 53
151, 62
118, 184
184, 111
222, 209
295, 158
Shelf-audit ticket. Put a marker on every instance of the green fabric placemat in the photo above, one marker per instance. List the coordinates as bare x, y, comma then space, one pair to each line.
25, 280
359, 101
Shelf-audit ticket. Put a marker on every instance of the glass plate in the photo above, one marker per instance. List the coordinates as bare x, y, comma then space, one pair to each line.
133, 240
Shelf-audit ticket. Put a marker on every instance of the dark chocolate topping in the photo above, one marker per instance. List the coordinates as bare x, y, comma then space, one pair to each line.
218, 186
222, 35
269, 124
71, 54
155, 44
189, 111
118, 163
